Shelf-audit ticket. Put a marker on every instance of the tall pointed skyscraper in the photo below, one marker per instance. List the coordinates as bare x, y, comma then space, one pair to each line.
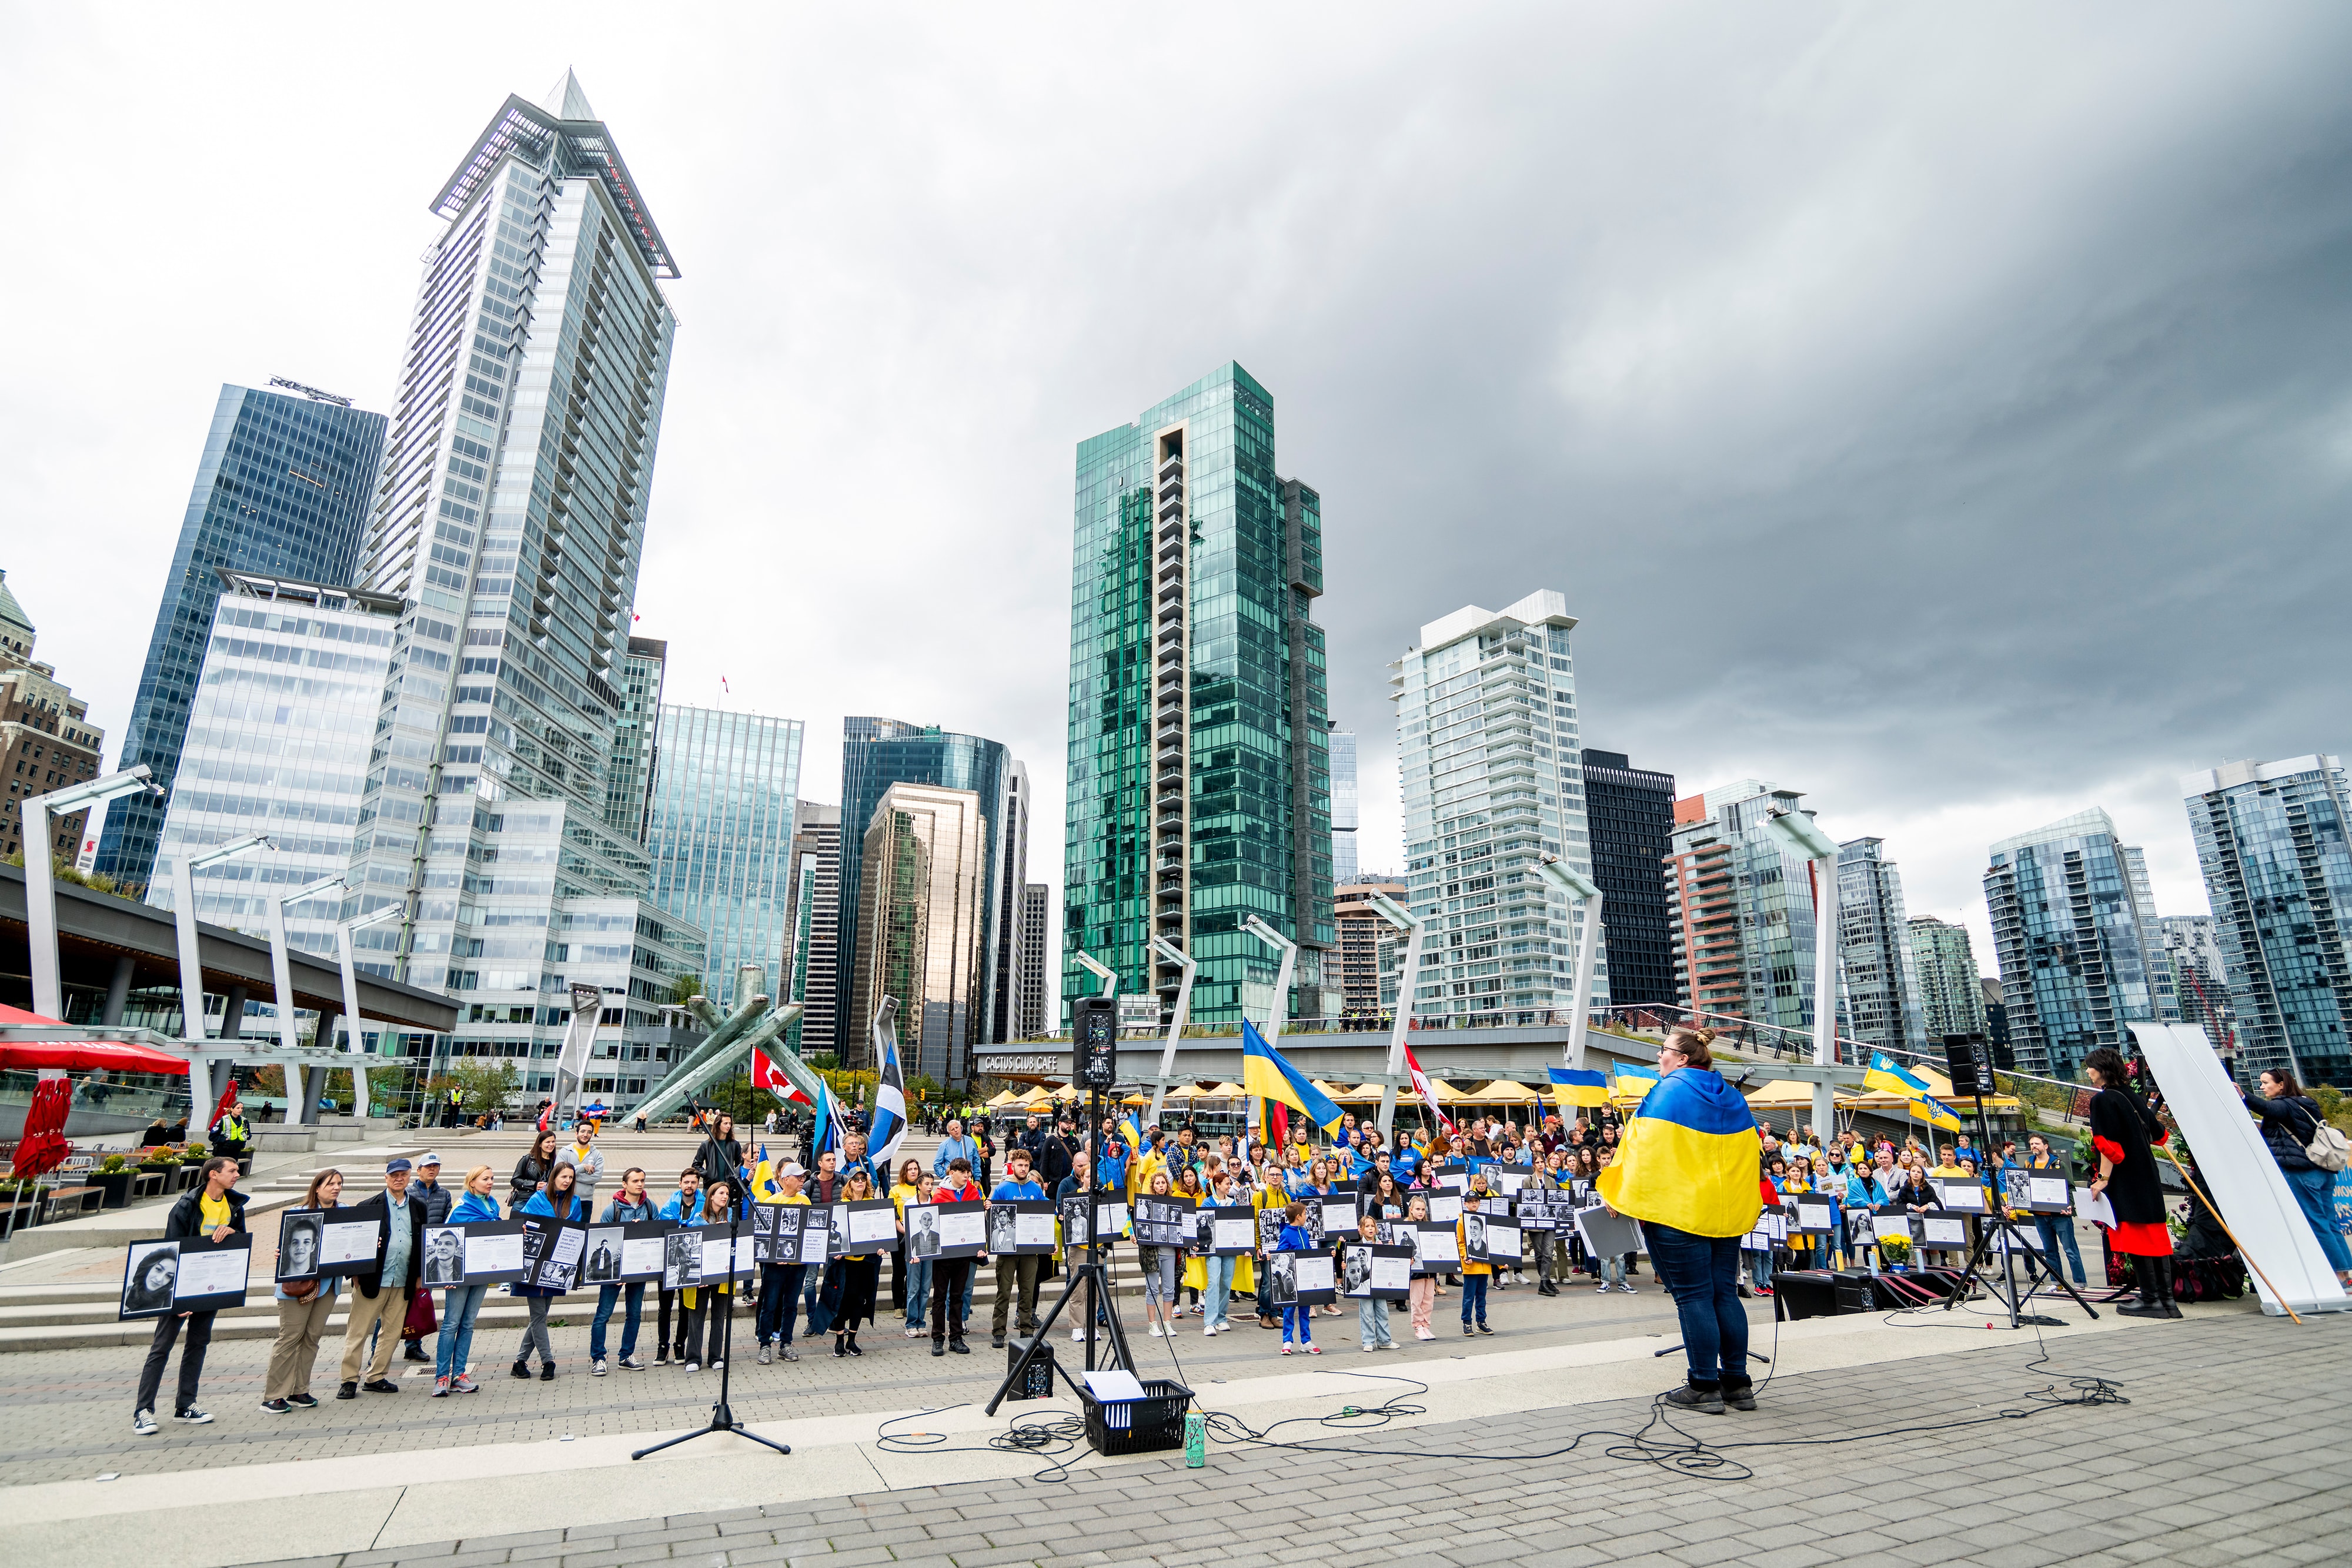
512, 518
1200, 774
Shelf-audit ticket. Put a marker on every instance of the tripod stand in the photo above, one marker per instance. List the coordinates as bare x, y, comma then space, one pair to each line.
2000, 1223
1091, 1277
722, 1337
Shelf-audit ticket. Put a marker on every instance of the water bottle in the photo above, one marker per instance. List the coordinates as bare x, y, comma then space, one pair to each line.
1196, 1440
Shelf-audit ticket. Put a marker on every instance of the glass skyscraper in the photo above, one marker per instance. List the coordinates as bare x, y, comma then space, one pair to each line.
1344, 860
1199, 783
1951, 993
2067, 929
812, 953
2201, 977
1882, 980
1630, 811
923, 903
876, 753
720, 834
511, 518
282, 490
2278, 873
1487, 760
1743, 907
629, 782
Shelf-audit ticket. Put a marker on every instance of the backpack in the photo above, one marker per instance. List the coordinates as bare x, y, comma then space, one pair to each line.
2328, 1149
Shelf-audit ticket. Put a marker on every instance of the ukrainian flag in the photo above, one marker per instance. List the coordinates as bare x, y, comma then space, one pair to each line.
1934, 1113
1633, 1081
1574, 1086
1689, 1158
1889, 1077
1267, 1075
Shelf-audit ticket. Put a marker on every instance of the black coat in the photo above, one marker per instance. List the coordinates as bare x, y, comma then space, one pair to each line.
717, 1159
2288, 1126
2121, 1124
379, 1209
1052, 1157
187, 1216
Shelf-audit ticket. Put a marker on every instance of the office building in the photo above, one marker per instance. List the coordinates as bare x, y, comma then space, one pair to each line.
878, 753
1364, 934
636, 741
1630, 812
1343, 809
923, 892
2067, 931
1882, 980
1997, 1023
2193, 948
1486, 760
1951, 1000
1742, 907
1036, 959
510, 518
2278, 876
1199, 789
277, 742
46, 740
721, 835
810, 962
1009, 875
281, 490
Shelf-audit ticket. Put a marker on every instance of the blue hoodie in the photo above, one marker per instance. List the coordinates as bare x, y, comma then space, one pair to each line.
474, 1207
692, 1212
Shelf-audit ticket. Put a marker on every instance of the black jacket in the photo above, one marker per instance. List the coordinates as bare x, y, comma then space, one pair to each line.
1052, 1157
528, 1172
187, 1216
2288, 1126
717, 1159
2124, 1129
378, 1208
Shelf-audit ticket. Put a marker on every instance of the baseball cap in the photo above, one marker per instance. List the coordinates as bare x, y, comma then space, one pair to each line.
791, 1168
394, 1166
427, 1158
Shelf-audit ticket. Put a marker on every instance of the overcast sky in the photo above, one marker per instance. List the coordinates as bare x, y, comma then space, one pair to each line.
1943, 410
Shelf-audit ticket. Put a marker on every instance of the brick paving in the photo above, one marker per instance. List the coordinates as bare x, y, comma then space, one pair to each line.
2207, 1464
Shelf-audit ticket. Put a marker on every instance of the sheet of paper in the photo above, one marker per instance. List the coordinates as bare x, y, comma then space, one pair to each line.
714, 1254
1314, 1271
1113, 1385
490, 1254
1339, 1216
2047, 1189
873, 1225
1111, 1220
1966, 1197
349, 1242
2094, 1206
212, 1273
965, 1227
639, 1255
1445, 1207
746, 1253
1503, 1241
1506, 1178
1936, 1230
1437, 1247
1813, 1215
1035, 1231
1392, 1273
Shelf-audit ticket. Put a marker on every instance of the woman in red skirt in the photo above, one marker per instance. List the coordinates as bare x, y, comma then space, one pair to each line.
2123, 1132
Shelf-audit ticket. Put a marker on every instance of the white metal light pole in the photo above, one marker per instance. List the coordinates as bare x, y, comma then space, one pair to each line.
1408, 981
1102, 972
40, 883
281, 976
192, 969
351, 997
1587, 891
1799, 833
1183, 960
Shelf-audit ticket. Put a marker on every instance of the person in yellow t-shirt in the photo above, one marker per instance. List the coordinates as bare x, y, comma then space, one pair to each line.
1470, 1240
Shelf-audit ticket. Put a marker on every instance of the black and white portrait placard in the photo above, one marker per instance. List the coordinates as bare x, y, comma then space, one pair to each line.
1307, 1278
445, 1255
301, 1239
1369, 1271
1436, 1248
1073, 1216
947, 1230
558, 1267
682, 1259
601, 1263
1025, 1225
1162, 1220
1503, 1245
1270, 1222
1332, 1216
188, 1274
1476, 1224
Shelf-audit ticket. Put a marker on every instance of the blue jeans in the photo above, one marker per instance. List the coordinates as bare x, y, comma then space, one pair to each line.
1474, 1298
1372, 1317
2057, 1230
460, 1305
1299, 1317
780, 1302
1759, 1265
1702, 1273
607, 1296
2316, 1190
1220, 1293
811, 1290
919, 1291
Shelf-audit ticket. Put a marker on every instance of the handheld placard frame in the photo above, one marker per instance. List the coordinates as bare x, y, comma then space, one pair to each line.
1968, 1064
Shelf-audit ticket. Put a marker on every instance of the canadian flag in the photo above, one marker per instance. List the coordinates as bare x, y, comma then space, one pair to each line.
769, 1076
1422, 1086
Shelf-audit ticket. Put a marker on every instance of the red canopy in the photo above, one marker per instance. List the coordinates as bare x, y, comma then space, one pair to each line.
119, 1054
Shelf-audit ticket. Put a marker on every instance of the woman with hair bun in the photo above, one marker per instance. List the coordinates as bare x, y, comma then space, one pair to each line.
2124, 1133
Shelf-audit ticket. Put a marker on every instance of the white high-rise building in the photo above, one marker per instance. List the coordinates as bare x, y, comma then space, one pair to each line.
1488, 765
1343, 807
510, 517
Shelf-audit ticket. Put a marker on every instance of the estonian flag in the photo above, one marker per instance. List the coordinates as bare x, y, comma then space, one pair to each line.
1266, 1074
1577, 1086
827, 1133
1688, 1158
889, 1103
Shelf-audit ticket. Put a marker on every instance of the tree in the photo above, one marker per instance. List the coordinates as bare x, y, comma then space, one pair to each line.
685, 989
488, 1082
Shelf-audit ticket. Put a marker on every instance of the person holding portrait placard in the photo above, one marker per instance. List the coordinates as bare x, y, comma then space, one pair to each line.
706, 1301
1016, 1272
952, 1276
215, 1209
633, 1205
379, 1304
780, 1281
461, 1304
852, 1283
559, 1204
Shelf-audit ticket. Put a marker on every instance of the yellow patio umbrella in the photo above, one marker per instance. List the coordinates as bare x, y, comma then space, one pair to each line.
1356, 1096
1369, 1093
1035, 1095
1136, 1099
1502, 1092
1227, 1092
1005, 1097
1067, 1094
1783, 1093
1183, 1092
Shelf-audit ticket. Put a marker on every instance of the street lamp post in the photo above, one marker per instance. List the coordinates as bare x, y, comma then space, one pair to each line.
192, 968
1182, 960
1408, 980
281, 975
1798, 833
351, 997
40, 882
1587, 893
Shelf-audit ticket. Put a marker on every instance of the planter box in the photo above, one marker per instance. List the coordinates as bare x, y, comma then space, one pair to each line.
114, 1185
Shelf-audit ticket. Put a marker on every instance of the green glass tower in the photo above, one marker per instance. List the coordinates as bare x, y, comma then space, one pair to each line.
1200, 778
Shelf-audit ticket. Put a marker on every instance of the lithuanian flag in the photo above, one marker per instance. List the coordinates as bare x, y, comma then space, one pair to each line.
1265, 1073
1688, 1158
1574, 1086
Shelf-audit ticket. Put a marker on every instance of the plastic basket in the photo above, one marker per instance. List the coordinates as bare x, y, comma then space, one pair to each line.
1141, 1426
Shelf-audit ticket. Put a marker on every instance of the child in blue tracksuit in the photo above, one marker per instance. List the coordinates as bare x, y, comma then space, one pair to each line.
1295, 1239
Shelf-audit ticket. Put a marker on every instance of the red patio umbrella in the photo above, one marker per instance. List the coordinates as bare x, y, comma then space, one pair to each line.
81, 1054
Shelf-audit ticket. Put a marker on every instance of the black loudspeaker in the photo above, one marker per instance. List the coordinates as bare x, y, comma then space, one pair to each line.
1094, 1034
1968, 1064
1037, 1383
1804, 1293
1856, 1291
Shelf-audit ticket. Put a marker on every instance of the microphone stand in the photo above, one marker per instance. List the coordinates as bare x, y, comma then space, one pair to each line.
722, 1332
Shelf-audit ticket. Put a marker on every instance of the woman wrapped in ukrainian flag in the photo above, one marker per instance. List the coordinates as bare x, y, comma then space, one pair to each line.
1688, 1169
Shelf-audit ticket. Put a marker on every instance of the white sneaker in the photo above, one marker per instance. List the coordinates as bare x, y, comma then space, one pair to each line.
1208, 1331
1078, 1334
1155, 1331
597, 1369
143, 1424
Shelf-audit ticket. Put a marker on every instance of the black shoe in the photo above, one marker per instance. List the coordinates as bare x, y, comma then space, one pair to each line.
413, 1351
381, 1385
1484, 1329
348, 1391
958, 1346
1706, 1397
1740, 1396
996, 1342
301, 1401
850, 1345
937, 1348
276, 1407
546, 1372
840, 1349
521, 1369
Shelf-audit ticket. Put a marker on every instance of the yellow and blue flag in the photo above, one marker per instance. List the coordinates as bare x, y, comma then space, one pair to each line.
1689, 1158
1889, 1076
1574, 1086
1626, 1078
1132, 1129
1934, 1113
1266, 1074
